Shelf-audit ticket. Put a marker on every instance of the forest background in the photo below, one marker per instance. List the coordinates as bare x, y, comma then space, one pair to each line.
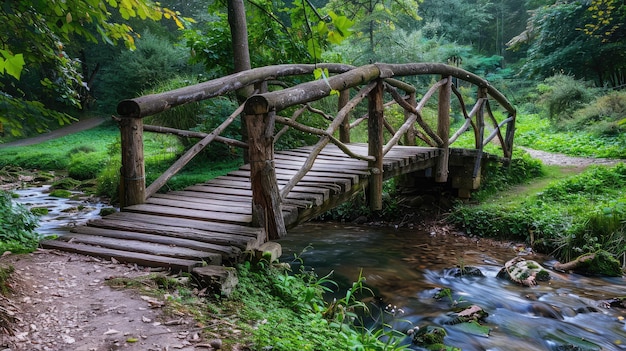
59, 61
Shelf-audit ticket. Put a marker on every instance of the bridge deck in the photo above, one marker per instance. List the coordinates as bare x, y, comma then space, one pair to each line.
209, 223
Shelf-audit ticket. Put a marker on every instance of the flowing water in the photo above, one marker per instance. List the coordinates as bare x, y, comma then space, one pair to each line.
406, 267
63, 214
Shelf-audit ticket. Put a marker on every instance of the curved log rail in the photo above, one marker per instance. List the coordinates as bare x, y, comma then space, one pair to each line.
261, 112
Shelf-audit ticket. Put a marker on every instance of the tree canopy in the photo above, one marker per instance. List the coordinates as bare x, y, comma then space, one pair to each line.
38, 39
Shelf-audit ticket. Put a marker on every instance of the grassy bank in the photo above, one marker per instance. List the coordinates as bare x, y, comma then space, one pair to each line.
564, 211
94, 154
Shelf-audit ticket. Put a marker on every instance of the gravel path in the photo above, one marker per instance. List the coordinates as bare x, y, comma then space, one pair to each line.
563, 160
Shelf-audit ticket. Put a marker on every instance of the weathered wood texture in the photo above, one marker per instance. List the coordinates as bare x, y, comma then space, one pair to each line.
210, 223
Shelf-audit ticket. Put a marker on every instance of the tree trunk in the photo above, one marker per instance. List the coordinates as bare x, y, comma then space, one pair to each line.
241, 53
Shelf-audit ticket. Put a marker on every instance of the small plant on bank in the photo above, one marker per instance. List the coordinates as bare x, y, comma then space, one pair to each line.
17, 226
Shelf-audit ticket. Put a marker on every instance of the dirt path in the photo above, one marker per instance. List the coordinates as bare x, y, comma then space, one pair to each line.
568, 161
64, 303
76, 127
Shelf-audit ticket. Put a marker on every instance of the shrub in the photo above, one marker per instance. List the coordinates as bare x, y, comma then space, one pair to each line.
17, 226
132, 72
602, 116
85, 166
562, 94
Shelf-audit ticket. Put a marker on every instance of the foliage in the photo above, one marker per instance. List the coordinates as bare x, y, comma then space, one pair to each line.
497, 177
602, 116
537, 133
21, 117
40, 60
564, 37
296, 318
279, 33
156, 65
581, 214
17, 226
375, 20
562, 95
38, 31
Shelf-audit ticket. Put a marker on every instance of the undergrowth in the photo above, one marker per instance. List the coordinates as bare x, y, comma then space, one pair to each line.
581, 214
274, 308
537, 133
17, 226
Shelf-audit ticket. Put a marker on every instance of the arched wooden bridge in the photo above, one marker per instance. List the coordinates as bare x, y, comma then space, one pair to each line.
214, 222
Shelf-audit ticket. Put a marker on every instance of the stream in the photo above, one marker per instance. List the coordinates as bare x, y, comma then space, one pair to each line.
407, 267
63, 214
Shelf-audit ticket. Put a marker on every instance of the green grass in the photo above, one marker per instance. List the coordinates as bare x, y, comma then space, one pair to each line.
95, 153
536, 133
566, 217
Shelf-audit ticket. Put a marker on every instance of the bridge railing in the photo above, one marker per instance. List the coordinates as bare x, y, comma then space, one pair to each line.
262, 110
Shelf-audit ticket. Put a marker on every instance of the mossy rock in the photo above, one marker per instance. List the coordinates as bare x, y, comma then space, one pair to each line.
107, 211
62, 193
429, 336
43, 177
603, 263
39, 211
65, 184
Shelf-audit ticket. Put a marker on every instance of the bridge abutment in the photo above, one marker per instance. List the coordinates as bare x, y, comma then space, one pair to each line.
464, 174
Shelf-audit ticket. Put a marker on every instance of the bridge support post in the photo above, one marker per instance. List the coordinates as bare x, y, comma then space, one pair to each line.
443, 130
266, 202
375, 126
409, 137
132, 173
344, 129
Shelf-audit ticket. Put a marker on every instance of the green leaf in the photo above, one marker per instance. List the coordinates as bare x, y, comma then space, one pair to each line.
13, 65
314, 49
473, 328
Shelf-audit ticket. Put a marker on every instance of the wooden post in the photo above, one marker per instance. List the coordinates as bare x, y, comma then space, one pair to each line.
344, 131
409, 137
266, 204
133, 181
375, 127
443, 131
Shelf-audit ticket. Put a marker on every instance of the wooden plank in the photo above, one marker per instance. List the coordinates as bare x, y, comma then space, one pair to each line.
348, 163
144, 247
337, 168
123, 228
182, 196
243, 184
228, 251
218, 199
123, 256
207, 188
191, 214
308, 177
185, 222
204, 195
223, 207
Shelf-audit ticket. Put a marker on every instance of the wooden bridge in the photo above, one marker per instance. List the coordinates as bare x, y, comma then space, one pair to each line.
215, 222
